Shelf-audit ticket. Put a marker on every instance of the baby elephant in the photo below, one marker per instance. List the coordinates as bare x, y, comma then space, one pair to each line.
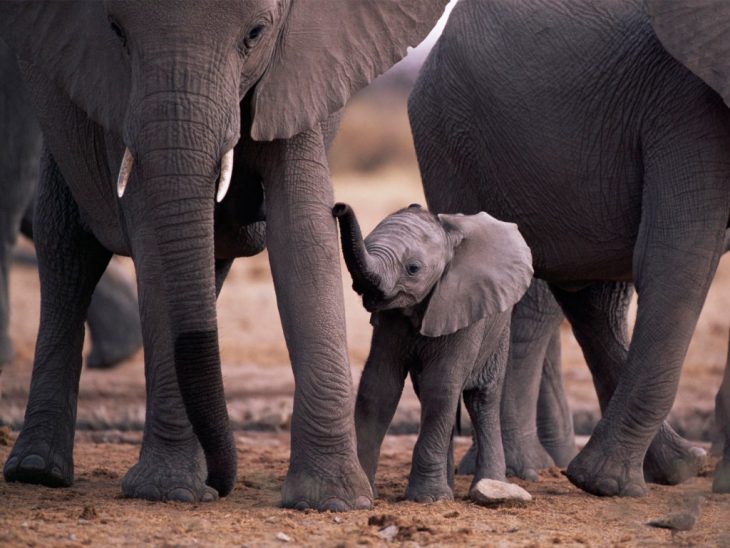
440, 290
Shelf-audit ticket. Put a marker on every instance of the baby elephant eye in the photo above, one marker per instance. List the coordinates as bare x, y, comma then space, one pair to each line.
413, 268
254, 33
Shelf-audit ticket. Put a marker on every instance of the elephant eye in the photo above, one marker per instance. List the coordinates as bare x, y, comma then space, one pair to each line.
253, 35
413, 268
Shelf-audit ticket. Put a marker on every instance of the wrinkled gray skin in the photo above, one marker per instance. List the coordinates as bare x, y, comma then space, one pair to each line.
179, 86
536, 421
614, 164
526, 449
113, 313
414, 270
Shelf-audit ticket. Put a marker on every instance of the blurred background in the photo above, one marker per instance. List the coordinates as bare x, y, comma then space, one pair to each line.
374, 169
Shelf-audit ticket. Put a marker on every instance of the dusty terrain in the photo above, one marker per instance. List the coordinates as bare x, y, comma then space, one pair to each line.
259, 385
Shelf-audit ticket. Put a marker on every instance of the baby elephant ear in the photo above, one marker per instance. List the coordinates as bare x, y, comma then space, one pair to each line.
490, 271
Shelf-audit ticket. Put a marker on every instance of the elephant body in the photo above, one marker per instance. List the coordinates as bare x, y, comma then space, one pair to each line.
113, 313
441, 291
171, 98
571, 120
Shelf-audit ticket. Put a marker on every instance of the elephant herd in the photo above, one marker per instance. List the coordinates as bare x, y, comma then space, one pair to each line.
585, 142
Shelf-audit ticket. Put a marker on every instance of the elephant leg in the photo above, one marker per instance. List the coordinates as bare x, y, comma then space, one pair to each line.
324, 471
171, 463
721, 483
535, 319
70, 263
598, 315
722, 412
554, 418
676, 253
114, 324
378, 393
429, 477
483, 404
20, 142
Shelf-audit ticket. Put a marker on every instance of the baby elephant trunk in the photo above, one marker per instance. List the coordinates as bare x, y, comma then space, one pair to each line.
358, 261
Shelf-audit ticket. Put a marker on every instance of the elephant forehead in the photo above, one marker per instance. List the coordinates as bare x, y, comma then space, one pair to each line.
408, 230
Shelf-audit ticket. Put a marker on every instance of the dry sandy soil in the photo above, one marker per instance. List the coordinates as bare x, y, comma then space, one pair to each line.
259, 385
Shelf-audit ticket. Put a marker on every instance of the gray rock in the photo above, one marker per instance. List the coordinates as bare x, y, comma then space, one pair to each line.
388, 533
490, 492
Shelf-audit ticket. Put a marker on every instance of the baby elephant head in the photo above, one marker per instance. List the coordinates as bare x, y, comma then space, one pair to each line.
467, 266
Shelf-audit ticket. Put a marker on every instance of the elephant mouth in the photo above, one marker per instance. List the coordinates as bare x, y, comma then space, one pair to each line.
374, 302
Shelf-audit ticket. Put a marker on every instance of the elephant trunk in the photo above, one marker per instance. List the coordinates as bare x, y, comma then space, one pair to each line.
359, 262
178, 164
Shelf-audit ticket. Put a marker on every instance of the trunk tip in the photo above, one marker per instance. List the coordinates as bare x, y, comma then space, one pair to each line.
341, 209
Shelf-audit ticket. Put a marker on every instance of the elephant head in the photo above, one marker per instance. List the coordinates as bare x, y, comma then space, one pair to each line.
166, 79
465, 267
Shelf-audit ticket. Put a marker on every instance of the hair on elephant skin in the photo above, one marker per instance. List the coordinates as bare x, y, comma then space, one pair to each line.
572, 120
440, 290
201, 109
113, 312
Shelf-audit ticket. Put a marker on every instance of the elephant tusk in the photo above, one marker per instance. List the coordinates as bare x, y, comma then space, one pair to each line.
225, 179
124, 171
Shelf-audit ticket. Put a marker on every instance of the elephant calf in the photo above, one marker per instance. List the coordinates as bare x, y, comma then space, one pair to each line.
440, 290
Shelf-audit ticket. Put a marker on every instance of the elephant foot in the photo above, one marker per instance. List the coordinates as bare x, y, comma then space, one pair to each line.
525, 456
671, 459
346, 487
468, 463
7, 352
169, 473
721, 483
562, 450
599, 472
42, 455
425, 491
113, 347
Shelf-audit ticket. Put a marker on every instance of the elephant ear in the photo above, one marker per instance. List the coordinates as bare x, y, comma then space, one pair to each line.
328, 50
72, 44
490, 271
697, 34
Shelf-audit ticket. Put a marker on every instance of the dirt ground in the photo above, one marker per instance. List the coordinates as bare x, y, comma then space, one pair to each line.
93, 512
259, 386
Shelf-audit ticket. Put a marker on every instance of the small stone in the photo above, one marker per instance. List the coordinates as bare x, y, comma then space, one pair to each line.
88, 513
72, 537
283, 537
337, 519
388, 533
24, 525
490, 492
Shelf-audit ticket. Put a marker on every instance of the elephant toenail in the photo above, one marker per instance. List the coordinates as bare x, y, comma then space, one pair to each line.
210, 495
301, 505
181, 494
698, 452
33, 462
333, 505
531, 475
634, 490
607, 487
363, 503
11, 464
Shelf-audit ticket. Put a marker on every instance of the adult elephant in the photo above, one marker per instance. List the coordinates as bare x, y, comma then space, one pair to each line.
174, 98
570, 119
113, 314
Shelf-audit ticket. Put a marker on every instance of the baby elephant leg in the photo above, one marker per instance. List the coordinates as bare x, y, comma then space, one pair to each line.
378, 394
483, 404
430, 479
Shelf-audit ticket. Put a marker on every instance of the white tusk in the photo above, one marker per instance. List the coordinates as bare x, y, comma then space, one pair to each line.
225, 179
124, 172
